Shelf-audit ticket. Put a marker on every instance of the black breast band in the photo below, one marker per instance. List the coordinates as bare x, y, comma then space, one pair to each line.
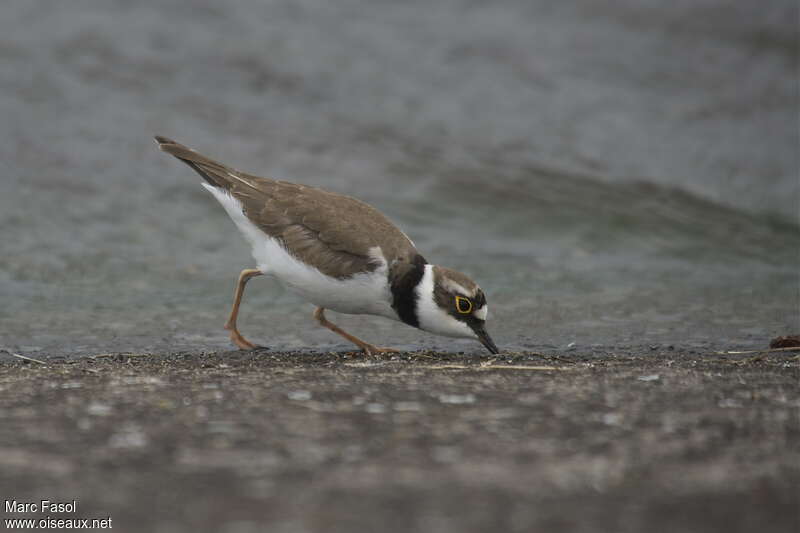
404, 296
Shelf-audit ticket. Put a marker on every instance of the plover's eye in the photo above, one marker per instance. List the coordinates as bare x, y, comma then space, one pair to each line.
463, 305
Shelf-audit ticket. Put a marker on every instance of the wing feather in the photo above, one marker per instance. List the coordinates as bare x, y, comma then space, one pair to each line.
334, 232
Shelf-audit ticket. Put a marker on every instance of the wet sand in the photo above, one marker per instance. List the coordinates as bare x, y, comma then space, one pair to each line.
627, 438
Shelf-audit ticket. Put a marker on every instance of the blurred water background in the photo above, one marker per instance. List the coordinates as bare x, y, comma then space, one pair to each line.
610, 172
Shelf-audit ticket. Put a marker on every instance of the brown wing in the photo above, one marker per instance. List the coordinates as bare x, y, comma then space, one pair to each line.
332, 231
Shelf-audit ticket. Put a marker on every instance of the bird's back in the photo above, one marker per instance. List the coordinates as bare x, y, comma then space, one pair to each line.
335, 233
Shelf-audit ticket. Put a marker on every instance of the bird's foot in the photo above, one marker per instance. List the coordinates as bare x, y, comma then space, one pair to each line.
371, 350
240, 341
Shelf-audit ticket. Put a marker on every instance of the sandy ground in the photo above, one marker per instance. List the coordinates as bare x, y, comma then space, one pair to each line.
626, 439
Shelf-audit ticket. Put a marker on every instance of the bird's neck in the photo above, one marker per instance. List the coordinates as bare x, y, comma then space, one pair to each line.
424, 300
405, 293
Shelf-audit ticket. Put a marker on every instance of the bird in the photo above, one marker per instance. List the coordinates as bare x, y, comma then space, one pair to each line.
338, 253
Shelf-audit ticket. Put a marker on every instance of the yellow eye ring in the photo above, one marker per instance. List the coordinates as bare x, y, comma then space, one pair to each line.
463, 305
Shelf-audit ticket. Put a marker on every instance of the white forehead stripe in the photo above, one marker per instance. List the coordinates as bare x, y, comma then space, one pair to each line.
482, 313
455, 287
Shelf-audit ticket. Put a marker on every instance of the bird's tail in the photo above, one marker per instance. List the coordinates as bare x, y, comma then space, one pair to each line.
216, 174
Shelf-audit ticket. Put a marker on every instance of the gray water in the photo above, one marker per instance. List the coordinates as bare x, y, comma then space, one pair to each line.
609, 172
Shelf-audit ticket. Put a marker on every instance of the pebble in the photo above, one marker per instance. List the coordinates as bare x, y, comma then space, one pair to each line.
375, 408
299, 395
98, 409
457, 398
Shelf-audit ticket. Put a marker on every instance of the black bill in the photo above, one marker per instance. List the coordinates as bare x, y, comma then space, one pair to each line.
484, 337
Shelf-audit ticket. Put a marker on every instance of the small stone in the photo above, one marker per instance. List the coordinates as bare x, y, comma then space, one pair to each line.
457, 399
299, 395
98, 409
787, 341
375, 408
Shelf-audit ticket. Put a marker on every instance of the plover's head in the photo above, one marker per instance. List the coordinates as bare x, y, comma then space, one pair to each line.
449, 303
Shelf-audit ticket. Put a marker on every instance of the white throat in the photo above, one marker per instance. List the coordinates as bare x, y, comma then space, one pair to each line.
432, 317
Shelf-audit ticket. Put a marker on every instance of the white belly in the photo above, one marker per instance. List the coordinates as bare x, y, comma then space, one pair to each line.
365, 293
361, 294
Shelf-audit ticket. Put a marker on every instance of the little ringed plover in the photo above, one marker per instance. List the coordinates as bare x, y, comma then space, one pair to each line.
338, 253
